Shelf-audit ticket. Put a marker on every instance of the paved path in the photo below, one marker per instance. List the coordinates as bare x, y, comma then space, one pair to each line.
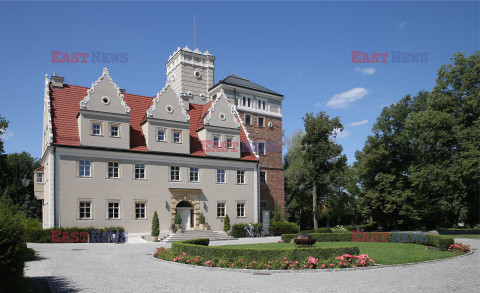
131, 268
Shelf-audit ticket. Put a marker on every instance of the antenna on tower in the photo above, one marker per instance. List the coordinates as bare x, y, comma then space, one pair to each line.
194, 33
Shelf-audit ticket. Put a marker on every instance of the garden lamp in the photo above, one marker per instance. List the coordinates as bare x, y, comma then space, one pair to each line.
25, 181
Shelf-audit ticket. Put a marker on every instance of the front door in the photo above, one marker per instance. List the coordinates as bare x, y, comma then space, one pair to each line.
185, 214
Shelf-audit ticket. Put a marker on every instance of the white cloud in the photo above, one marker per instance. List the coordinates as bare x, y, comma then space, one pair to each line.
8, 134
297, 75
366, 71
402, 25
358, 123
342, 100
318, 104
341, 134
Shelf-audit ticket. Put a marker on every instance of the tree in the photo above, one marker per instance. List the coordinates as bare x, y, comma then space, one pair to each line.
226, 223
322, 153
3, 128
155, 225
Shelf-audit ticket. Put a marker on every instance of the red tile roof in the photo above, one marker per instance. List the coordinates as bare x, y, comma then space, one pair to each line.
65, 104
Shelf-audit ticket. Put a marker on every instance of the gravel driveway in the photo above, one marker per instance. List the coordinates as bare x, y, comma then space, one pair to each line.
131, 268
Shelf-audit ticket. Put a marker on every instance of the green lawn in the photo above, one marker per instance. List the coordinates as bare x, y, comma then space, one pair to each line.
386, 253
472, 236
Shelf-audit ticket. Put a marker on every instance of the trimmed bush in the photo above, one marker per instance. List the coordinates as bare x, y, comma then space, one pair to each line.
197, 241
226, 223
155, 225
365, 227
440, 241
232, 254
279, 228
322, 237
238, 230
177, 220
201, 219
45, 235
29, 254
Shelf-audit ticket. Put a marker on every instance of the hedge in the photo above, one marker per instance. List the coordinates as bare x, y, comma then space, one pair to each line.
236, 253
439, 241
238, 230
197, 241
45, 235
279, 228
365, 227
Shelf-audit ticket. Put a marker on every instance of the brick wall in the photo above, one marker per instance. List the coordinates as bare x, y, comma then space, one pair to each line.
271, 162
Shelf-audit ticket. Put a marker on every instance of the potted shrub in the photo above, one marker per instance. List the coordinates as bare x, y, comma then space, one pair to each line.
173, 228
201, 221
226, 224
155, 227
177, 220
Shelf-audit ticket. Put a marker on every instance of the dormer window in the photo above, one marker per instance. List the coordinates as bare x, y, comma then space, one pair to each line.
177, 136
96, 128
216, 141
161, 134
114, 130
229, 142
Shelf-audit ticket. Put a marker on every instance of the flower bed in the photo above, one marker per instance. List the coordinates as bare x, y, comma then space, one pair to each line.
276, 263
459, 247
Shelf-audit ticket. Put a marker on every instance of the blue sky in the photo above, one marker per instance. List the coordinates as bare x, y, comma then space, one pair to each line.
302, 50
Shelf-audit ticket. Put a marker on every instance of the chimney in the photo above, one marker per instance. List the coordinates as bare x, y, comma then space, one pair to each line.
57, 81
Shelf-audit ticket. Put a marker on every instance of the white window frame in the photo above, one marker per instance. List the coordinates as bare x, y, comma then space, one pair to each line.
119, 202
190, 174
135, 202
244, 203
244, 177
260, 179
40, 175
144, 171
258, 121
264, 148
173, 135
101, 128
224, 176
79, 165
164, 134
226, 142
245, 118
170, 174
219, 140
81, 200
224, 209
110, 125
118, 171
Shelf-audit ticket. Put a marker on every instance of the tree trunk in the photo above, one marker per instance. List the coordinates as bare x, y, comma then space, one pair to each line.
314, 196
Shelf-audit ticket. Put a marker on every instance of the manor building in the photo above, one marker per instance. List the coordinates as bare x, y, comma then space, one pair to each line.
112, 158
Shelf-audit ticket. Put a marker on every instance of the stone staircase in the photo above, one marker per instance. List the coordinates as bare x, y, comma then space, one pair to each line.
192, 234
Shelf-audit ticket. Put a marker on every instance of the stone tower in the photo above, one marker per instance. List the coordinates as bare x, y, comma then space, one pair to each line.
191, 72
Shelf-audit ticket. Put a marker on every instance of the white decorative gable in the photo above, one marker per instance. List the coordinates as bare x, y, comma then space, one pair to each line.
105, 96
222, 113
167, 105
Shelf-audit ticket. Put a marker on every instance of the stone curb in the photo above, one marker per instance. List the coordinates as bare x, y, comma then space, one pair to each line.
269, 272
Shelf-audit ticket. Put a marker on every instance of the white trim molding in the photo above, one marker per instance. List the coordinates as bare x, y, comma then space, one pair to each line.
157, 99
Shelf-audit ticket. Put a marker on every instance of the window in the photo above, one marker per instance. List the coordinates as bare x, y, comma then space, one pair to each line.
248, 102
220, 176
229, 142
113, 170
140, 210
240, 177
240, 209
174, 173
261, 121
261, 148
96, 128
115, 130
177, 136
84, 168
216, 141
113, 210
194, 175
244, 101
220, 209
248, 119
139, 171
85, 210
161, 135
263, 177
39, 177
263, 105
